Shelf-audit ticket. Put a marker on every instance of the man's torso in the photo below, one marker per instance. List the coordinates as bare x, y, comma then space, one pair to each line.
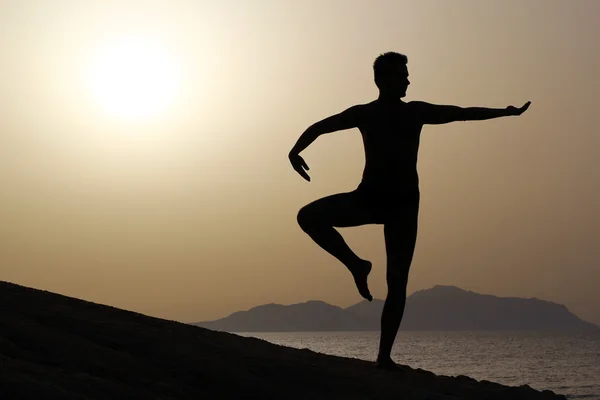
391, 135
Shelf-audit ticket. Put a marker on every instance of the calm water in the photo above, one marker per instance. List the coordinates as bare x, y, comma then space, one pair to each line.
566, 363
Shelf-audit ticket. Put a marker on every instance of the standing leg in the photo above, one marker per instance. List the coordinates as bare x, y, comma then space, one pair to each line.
318, 220
400, 240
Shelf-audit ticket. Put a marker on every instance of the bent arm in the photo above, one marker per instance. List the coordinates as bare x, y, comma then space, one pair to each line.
345, 120
442, 114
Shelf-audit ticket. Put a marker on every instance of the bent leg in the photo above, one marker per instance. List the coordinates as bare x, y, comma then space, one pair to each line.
400, 240
318, 220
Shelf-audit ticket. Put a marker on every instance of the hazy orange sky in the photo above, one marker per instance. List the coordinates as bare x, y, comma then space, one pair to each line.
186, 209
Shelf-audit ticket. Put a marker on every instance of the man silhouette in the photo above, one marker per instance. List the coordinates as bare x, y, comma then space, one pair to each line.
389, 191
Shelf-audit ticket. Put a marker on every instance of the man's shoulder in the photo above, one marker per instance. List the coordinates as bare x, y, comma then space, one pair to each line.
363, 106
374, 104
419, 107
417, 104
359, 111
363, 109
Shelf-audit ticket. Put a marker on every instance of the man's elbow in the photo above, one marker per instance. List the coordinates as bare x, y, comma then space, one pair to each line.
459, 114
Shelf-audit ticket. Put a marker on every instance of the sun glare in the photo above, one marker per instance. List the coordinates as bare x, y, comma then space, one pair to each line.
134, 79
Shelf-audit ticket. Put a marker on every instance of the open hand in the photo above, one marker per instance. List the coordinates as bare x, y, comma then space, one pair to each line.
299, 165
518, 111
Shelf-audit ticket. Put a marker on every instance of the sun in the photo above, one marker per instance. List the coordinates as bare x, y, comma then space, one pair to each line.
134, 79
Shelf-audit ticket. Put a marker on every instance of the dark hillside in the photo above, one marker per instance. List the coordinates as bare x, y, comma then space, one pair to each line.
57, 347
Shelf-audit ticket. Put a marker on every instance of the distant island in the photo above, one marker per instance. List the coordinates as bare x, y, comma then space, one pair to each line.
438, 308
59, 347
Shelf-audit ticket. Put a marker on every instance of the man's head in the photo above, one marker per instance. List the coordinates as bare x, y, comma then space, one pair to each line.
391, 73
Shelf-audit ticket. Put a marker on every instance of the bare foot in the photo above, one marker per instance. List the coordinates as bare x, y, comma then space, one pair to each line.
387, 364
360, 272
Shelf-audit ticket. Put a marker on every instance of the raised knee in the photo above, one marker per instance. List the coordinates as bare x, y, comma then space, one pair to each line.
305, 218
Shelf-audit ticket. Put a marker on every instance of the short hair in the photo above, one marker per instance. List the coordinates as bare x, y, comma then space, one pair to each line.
385, 61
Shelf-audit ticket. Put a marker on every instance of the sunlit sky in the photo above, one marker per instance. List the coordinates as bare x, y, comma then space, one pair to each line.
143, 148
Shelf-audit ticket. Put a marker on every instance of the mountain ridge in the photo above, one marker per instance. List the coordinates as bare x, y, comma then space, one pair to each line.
441, 307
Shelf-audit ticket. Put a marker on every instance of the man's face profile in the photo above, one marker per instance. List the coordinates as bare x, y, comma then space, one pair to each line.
395, 79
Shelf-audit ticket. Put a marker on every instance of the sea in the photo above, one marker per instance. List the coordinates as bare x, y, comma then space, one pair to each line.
565, 362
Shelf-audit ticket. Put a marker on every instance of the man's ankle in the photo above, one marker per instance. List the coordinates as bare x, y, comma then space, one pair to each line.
384, 358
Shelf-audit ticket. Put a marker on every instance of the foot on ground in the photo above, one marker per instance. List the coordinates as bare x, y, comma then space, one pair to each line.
360, 272
388, 364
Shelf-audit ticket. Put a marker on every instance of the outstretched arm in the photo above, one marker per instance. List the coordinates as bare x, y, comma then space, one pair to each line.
345, 120
440, 114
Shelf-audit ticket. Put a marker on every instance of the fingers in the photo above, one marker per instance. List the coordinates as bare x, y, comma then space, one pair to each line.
303, 173
300, 166
305, 176
525, 107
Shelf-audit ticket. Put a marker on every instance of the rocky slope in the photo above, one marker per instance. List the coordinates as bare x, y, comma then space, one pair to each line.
57, 347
